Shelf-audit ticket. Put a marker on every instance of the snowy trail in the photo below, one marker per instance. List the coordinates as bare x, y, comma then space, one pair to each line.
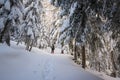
64, 69
18, 64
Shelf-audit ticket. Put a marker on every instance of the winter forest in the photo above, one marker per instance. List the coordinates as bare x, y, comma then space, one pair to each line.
85, 31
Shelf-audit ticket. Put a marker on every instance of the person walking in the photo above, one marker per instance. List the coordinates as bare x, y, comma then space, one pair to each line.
52, 48
62, 51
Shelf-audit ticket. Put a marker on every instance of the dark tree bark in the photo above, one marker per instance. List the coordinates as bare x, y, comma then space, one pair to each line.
113, 64
83, 57
74, 50
5, 33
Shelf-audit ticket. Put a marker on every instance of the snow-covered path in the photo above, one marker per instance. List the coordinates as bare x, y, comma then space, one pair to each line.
18, 64
61, 67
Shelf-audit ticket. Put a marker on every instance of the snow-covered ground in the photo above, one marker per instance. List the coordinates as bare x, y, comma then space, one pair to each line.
18, 64
102, 75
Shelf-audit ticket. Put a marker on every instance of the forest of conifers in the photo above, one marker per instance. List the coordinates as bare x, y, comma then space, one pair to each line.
87, 29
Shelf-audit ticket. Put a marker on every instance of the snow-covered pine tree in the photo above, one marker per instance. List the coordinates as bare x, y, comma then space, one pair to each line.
10, 17
97, 23
30, 28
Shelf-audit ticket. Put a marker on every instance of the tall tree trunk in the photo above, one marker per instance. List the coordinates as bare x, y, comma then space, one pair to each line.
74, 49
83, 57
113, 64
5, 34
